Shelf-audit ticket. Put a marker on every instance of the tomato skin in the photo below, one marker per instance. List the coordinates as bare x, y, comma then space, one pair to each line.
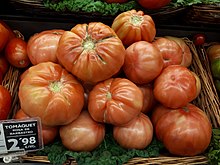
175, 86
213, 52
4, 64
132, 26
92, 52
143, 62
215, 68
137, 134
48, 91
187, 55
199, 39
5, 103
16, 53
170, 50
48, 133
4, 36
83, 134
42, 47
153, 4
116, 1
115, 101
185, 131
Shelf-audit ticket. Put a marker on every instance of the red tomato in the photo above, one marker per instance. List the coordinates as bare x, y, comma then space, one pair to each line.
11, 32
92, 52
5, 103
153, 4
149, 100
16, 53
83, 134
42, 47
199, 39
48, 91
137, 134
185, 131
132, 26
187, 55
115, 101
4, 65
213, 52
170, 50
4, 36
143, 62
48, 133
116, 1
175, 86
198, 84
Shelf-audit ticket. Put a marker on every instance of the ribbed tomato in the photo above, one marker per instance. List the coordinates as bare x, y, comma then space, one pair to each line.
48, 91
132, 26
137, 134
175, 86
184, 131
115, 101
143, 62
48, 133
92, 52
42, 47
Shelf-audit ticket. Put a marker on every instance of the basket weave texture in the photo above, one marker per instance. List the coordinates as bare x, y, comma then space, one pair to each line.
207, 100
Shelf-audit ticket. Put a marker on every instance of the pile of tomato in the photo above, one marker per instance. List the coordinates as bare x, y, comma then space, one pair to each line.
93, 75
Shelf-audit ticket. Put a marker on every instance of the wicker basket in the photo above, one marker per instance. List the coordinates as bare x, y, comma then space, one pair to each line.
204, 14
208, 101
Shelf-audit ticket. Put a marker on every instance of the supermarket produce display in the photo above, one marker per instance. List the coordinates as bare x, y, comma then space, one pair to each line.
116, 86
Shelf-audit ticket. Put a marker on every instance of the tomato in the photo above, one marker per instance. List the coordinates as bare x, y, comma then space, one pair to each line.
4, 65
115, 101
199, 39
48, 133
92, 52
16, 53
132, 26
198, 84
175, 86
170, 50
187, 55
116, 1
143, 62
215, 68
48, 91
153, 4
83, 134
213, 52
137, 134
10, 30
4, 36
42, 47
185, 131
5, 103
149, 100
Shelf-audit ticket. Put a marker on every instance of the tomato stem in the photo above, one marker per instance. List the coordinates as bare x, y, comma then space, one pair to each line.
109, 95
136, 20
55, 86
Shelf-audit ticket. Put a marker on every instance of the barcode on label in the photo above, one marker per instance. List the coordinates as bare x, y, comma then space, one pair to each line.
3, 147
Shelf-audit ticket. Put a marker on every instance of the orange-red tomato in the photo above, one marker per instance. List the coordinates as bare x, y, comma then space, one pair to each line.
184, 131
16, 53
48, 133
83, 134
48, 91
92, 52
137, 134
5, 103
213, 52
187, 55
115, 101
175, 86
42, 47
132, 26
170, 50
153, 4
143, 62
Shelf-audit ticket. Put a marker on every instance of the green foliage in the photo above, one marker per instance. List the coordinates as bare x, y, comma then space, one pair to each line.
214, 148
108, 152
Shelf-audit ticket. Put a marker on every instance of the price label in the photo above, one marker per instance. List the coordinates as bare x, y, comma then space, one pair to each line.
18, 136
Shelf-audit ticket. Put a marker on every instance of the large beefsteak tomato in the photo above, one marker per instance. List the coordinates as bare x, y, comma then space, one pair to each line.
184, 131
175, 86
115, 101
48, 91
92, 52
132, 26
